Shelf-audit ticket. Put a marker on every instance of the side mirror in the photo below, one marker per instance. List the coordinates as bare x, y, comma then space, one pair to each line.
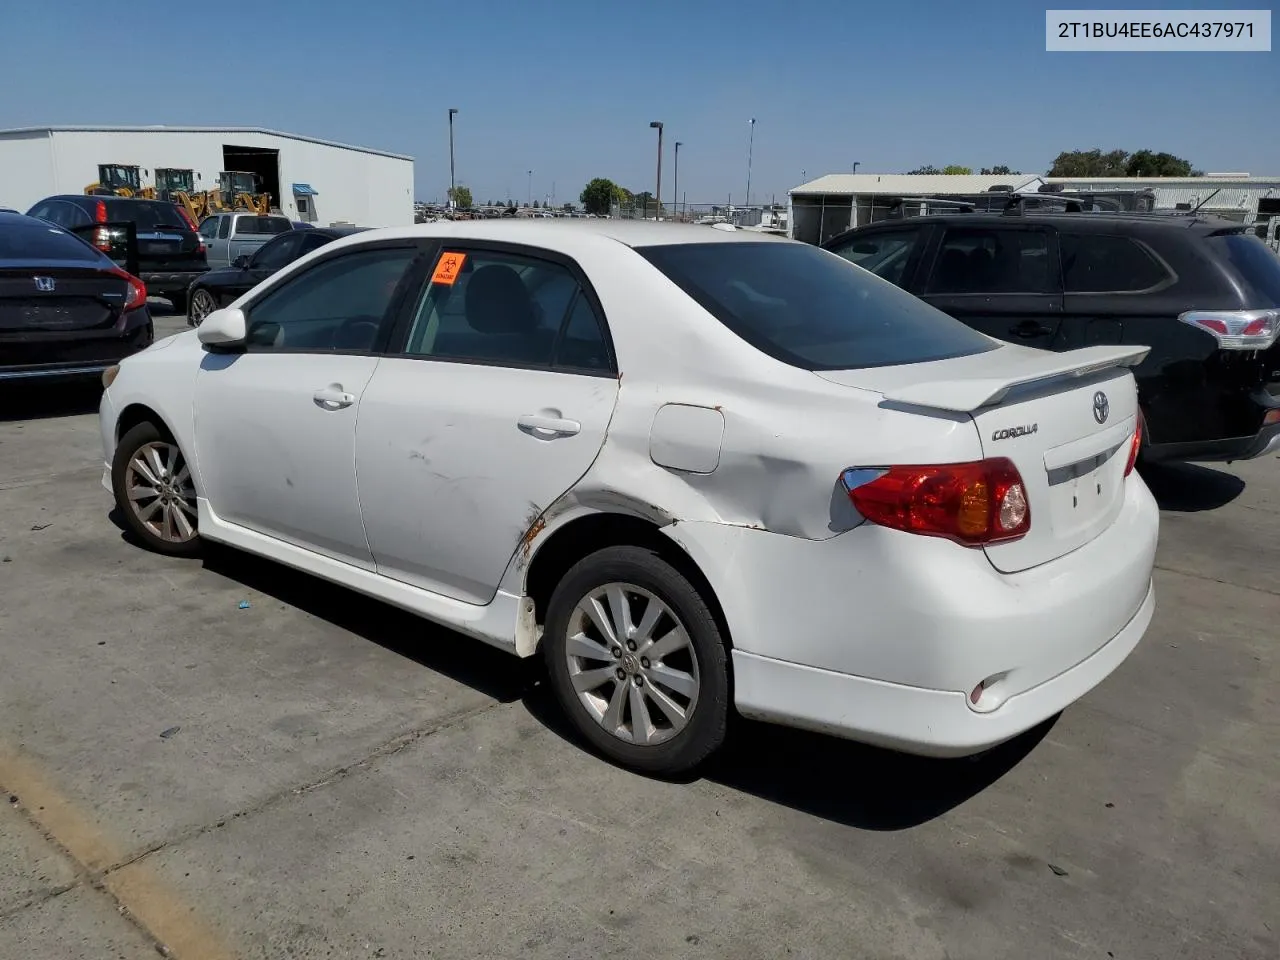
222, 328
241, 262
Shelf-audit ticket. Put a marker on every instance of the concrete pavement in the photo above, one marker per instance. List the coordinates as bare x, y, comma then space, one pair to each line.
320, 776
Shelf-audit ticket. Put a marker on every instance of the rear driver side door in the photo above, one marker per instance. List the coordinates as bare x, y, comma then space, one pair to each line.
494, 402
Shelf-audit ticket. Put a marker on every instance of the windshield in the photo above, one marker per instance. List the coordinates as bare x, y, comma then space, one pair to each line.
1257, 267
810, 308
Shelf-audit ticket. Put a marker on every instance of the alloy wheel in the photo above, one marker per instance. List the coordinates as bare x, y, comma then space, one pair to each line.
632, 664
201, 306
161, 492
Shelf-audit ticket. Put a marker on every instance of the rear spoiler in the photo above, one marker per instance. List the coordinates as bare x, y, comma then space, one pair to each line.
971, 393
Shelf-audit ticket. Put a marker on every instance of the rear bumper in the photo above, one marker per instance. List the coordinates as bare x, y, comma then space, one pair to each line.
936, 723
176, 281
73, 355
854, 634
1265, 441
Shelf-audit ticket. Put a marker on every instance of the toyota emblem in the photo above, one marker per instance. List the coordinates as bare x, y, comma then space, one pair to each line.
1101, 407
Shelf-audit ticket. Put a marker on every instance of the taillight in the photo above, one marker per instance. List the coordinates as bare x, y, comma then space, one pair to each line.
186, 217
1135, 445
1237, 329
137, 289
101, 236
971, 503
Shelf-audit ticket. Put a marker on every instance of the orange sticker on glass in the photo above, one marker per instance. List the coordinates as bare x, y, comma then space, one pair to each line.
448, 267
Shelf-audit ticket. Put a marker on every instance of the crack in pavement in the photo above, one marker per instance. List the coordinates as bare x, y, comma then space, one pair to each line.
140, 896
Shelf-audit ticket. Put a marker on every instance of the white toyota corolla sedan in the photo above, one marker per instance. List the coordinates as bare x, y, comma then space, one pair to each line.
696, 468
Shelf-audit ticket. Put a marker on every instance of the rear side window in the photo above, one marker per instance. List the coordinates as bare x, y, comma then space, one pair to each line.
262, 226
1097, 264
1255, 265
45, 244
884, 254
993, 260
810, 308
146, 214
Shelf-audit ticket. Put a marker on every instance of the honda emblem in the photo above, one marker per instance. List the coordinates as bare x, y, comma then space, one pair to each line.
45, 284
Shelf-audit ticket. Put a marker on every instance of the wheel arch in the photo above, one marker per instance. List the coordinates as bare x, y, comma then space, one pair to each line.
585, 534
136, 413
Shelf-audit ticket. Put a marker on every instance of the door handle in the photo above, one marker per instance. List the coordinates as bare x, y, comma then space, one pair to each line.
333, 397
547, 428
1030, 328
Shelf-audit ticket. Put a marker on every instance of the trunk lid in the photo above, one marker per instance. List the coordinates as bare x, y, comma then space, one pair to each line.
1064, 419
51, 299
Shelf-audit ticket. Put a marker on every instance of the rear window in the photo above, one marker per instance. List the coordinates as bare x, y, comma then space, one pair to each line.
262, 226
147, 214
43, 243
1256, 266
1092, 263
810, 308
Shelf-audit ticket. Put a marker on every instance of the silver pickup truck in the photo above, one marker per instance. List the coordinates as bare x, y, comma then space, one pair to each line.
227, 236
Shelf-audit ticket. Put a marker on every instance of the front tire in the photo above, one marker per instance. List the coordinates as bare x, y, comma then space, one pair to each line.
155, 491
637, 661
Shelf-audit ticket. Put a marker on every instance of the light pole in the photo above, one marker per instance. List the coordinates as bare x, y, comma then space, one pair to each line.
675, 176
452, 184
855, 166
529, 201
751, 143
657, 125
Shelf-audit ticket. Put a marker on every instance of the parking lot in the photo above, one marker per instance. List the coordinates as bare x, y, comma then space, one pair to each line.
222, 758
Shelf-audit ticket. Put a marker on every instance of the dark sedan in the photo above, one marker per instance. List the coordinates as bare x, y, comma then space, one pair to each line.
217, 288
66, 310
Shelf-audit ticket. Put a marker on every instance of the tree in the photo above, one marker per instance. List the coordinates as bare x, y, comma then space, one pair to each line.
1089, 163
955, 170
922, 171
599, 195
1144, 163
644, 202
998, 171
461, 196
535, 204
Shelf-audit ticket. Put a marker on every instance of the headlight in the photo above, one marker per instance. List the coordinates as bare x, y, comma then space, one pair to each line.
109, 375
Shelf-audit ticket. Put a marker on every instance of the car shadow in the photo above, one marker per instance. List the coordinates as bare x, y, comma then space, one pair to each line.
42, 401
854, 784
483, 668
1190, 487
849, 783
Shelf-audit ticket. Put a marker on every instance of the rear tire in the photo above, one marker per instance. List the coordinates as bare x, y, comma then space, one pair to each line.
637, 661
202, 304
155, 491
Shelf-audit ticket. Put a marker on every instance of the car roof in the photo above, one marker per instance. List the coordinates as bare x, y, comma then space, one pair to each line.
85, 197
557, 231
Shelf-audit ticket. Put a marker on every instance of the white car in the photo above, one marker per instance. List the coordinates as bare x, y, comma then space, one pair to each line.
697, 469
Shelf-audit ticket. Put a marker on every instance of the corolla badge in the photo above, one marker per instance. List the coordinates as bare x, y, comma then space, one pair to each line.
1101, 407
1009, 433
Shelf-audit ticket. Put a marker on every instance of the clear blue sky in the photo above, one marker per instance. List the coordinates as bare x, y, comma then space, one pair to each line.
567, 89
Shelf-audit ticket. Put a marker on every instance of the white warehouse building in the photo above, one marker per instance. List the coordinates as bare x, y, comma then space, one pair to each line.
308, 179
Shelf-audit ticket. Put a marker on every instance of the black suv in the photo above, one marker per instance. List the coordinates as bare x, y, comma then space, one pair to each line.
169, 253
1203, 293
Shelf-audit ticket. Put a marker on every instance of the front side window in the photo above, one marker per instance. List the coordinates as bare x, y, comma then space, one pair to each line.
341, 305
993, 260
885, 254
224, 227
276, 253
810, 308
209, 227
1098, 264
506, 309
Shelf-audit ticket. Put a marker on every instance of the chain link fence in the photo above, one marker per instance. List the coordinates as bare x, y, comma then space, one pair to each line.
768, 216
